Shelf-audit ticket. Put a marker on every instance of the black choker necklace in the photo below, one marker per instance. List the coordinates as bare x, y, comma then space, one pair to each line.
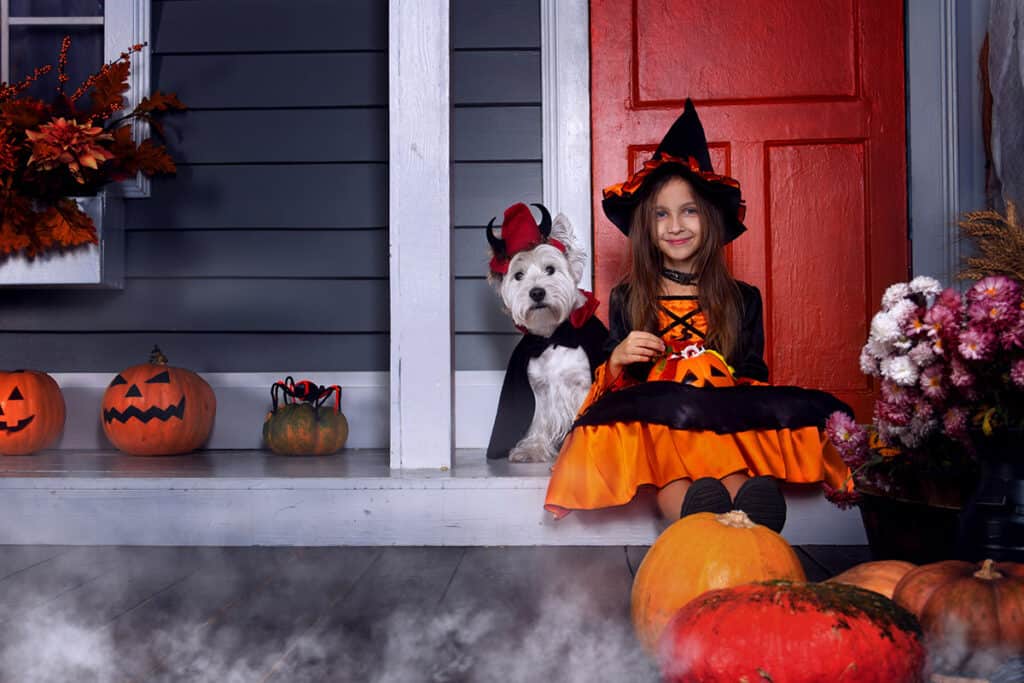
679, 277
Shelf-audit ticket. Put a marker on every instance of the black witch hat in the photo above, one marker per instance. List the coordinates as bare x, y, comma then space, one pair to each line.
683, 150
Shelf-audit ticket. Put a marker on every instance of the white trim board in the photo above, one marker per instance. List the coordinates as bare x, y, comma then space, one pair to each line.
565, 134
243, 398
129, 502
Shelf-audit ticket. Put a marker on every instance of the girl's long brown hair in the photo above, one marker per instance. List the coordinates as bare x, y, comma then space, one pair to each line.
717, 291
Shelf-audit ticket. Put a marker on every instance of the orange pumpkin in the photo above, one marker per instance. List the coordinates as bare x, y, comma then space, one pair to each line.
972, 614
31, 411
880, 577
157, 409
702, 552
707, 369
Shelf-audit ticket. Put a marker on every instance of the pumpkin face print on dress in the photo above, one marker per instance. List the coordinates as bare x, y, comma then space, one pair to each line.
692, 365
157, 409
31, 411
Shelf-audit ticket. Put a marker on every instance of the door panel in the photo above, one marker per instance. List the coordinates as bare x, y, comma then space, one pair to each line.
803, 103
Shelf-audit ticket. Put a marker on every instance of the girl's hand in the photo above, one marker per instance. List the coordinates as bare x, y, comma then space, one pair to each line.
637, 347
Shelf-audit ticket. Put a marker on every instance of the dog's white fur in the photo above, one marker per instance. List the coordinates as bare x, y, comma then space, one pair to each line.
560, 376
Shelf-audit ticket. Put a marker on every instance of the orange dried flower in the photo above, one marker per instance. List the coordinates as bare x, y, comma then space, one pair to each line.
68, 143
53, 151
8, 152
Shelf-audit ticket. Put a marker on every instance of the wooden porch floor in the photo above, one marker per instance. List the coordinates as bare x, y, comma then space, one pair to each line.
383, 615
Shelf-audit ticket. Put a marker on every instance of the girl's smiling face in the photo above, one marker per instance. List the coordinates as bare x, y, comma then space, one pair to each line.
677, 225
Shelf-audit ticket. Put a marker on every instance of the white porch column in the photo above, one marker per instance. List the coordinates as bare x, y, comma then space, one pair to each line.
565, 71
420, 232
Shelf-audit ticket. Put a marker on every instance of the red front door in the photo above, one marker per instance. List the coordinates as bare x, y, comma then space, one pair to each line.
802, 102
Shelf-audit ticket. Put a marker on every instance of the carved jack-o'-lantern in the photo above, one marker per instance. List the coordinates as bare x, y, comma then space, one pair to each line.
156, 409
693, 366
31, 411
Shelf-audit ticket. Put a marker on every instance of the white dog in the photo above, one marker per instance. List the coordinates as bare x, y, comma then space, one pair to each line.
536, 270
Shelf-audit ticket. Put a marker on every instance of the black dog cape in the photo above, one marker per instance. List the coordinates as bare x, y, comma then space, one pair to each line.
516, 405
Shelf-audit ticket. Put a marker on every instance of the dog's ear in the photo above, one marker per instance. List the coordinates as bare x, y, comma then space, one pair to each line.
562, 230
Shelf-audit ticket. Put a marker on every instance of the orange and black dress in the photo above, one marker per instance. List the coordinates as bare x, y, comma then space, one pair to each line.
691, 415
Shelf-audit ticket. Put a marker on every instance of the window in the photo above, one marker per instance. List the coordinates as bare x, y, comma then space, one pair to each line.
31, 32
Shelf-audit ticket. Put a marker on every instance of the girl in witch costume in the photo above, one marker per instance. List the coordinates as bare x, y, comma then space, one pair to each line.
682, 403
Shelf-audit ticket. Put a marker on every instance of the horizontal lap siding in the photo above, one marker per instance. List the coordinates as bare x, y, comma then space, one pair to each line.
269, 248
496, 148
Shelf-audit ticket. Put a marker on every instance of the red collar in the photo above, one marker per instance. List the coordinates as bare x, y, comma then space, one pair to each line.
579, 317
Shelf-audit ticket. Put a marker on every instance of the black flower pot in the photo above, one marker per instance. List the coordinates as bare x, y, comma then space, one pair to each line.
992, 522
913, 531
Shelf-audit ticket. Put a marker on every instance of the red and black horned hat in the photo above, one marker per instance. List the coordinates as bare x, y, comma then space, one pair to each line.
684, 150
519, 232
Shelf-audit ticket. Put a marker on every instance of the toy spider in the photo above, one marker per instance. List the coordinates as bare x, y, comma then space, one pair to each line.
305, 390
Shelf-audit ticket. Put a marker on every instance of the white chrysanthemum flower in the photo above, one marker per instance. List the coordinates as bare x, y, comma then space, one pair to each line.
902, 345
900, 370
878, 350
885, 328
922, 284
902, 311
922, 354
894, 294
890, 433
868, 362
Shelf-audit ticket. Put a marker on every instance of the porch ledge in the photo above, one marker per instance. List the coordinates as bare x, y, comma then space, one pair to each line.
353, 498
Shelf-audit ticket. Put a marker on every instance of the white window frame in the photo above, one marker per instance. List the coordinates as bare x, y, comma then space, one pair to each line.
125, 23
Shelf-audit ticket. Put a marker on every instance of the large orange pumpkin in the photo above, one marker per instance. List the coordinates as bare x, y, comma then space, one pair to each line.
157, 409
31, 411
972, 614
699, 553
792, 633
880, 576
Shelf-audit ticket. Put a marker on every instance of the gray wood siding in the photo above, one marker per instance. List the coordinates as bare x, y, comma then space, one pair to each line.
496, 147
269, 249
272, 239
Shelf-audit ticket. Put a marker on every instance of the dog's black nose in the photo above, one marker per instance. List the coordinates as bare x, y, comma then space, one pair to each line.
537, 294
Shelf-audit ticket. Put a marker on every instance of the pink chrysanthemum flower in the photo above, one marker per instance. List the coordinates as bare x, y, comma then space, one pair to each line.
895, 394
893, 413
941, 320
932, 384
840, 498
849, 438
959, 374
954, 422
922, 354
1017, 372
976, 344
1012, 337
916, 326
995, 289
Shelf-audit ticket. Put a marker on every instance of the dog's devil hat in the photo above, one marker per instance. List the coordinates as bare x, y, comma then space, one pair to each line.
684, 150
519, 232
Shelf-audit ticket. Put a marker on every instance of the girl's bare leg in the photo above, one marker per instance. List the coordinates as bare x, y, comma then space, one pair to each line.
733, 482
670, 498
